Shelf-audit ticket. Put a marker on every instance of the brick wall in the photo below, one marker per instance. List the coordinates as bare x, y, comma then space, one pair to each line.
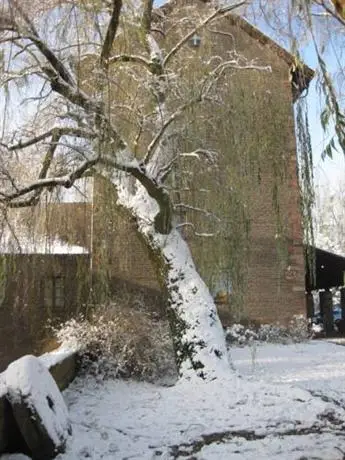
24, 312
122, 264
253, 133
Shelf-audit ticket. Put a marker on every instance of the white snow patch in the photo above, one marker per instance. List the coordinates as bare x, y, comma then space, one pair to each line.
54, 357
27, 378
14, 457
117, 419
3, 388
316, 365
155, 51
41, 245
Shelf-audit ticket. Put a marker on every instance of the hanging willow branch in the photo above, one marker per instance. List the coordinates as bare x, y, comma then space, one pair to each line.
306, 181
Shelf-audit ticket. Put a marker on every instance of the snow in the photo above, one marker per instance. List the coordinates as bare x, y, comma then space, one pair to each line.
155, 51
198, 310
80, 192
318, 366
54, 357
3, 388
288, 404
40, 245
14, 457
28, 379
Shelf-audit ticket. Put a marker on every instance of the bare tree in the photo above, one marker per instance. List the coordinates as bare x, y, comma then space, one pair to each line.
107, 89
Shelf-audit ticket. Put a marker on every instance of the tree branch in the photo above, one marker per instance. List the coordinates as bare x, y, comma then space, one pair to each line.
65, 181
54, 61
332, 13
217, 13
147, 16
196, 209
163, 220
131, 58
111, 33
155, 141
60, 131
49, 155
192, 226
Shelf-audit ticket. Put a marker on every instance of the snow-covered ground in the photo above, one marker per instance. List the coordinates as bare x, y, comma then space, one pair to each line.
285, 402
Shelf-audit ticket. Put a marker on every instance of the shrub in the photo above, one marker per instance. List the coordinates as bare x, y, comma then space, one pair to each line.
296, 331
121, 342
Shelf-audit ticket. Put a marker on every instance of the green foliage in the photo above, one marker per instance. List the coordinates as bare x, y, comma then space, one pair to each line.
306, 180
332, 114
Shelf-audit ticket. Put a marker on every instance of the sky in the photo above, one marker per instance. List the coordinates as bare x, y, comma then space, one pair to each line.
329, 172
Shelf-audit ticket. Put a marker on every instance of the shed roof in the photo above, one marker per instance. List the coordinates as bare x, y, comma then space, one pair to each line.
329, 268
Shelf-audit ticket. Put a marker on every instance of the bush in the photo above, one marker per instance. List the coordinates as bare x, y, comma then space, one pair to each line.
296, 331
121, 342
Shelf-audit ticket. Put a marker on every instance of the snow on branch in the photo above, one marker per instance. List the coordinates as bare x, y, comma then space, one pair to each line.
329, 12
196, 209
209, 155
135, 59
10, 199
200, 234
173, 117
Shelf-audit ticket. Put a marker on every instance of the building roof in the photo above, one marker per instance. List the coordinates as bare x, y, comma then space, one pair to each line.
301, 74
43, 245
329, 270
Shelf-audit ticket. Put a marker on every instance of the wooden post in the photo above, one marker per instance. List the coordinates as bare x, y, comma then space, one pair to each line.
310, 304
342, 302
326, 310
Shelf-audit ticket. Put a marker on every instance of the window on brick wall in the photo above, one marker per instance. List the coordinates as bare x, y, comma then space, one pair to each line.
54, 292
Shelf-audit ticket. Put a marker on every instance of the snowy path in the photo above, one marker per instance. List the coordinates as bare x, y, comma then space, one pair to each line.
264, 414
317, 366
267, 415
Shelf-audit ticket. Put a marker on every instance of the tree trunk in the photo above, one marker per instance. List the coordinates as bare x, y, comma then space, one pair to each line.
198, 336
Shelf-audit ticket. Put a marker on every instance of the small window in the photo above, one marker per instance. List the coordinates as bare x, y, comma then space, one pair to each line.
54, 292
195, 41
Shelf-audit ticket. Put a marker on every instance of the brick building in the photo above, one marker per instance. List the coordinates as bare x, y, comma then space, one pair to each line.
254, 122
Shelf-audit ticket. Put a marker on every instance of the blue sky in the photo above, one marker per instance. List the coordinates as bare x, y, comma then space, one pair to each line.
328, 172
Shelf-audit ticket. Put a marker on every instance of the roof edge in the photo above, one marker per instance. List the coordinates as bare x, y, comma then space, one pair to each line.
301, 74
